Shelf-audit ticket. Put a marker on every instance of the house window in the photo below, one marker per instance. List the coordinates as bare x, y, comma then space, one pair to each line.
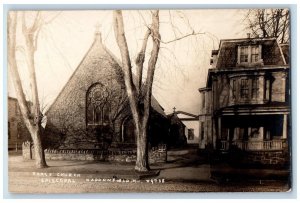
254, 91
254, 132
233, 89
191, 134
249, 54
244, 88
254, 54
202, 131
244, 54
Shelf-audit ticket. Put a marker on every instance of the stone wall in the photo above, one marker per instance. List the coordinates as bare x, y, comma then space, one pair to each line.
156, 155
27, 150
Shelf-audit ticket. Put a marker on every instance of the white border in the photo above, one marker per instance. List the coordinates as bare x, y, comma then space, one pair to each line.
164, 4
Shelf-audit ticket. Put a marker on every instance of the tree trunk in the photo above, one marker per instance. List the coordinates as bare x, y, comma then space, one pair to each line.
40, 161
32, 118
137, 95
142, 163
30, 34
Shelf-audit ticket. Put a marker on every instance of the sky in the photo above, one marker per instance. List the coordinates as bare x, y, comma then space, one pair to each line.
182, 66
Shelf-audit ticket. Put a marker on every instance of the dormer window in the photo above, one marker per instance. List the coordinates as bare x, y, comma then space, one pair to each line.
249, 54
244, 54
254, 54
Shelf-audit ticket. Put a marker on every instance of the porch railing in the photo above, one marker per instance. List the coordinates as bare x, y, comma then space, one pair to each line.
254, 145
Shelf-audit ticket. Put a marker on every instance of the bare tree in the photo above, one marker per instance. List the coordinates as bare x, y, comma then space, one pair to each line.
269, 23
32, 117
140, 92
118, 100
139, 100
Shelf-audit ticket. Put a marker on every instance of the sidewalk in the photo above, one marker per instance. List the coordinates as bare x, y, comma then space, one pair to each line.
175, 170
185, 171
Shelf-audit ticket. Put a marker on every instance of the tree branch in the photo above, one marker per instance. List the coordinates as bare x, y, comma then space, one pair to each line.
126, 64
268, 22
35, 41
12, 24
156, 38
53, 18
36, 23
29, 34
140, 61
182, 37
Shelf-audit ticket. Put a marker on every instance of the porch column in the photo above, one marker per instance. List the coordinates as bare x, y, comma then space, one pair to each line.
214, 133
284, 127
219, 127
267, 90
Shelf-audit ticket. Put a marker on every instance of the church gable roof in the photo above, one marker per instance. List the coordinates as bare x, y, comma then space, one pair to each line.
97, 57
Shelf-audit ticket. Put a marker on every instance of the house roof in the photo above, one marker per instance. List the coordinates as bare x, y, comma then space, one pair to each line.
271, 51
175, 119
186, 114
274, 55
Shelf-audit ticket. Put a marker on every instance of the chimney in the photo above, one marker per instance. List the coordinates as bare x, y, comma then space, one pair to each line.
248, 35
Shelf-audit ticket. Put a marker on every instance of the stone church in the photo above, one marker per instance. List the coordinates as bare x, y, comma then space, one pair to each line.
92, 109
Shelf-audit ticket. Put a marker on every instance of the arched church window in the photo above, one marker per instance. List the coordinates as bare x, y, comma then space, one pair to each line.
97, 108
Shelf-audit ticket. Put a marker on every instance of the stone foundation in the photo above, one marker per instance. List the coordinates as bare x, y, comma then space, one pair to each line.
268, 157
239, 158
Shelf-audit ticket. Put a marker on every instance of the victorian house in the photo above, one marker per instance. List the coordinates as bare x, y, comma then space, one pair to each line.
246, 102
